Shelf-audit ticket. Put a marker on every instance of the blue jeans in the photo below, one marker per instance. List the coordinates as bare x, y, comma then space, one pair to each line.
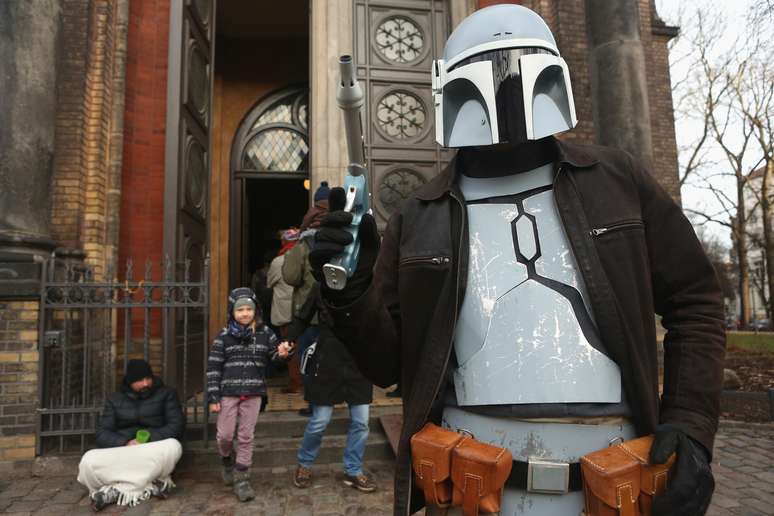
356, 437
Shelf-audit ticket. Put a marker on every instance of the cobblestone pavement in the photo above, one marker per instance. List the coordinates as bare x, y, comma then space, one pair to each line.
203, 493
744, 474
744, 470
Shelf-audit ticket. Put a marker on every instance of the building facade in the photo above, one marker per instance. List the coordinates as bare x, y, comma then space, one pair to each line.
180, 132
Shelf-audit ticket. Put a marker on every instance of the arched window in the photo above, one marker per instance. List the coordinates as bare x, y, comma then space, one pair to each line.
273, 138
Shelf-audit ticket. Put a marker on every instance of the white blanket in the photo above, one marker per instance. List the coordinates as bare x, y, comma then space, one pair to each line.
131, 470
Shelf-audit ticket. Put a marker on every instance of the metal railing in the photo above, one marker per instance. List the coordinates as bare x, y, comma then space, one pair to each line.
89, 329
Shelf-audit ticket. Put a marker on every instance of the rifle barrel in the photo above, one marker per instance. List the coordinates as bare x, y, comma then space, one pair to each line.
350, 98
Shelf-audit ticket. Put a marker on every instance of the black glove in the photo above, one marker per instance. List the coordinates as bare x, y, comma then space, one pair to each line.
690, 488
331, 239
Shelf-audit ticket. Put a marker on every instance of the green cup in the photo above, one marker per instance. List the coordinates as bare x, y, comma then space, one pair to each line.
142, 436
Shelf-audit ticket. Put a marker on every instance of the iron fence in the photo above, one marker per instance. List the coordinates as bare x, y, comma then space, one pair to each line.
90, 328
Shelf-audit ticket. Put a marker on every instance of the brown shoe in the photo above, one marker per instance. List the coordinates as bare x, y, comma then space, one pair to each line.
303, 477
360, 482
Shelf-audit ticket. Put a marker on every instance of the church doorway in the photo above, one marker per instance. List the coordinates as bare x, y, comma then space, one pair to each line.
270, 205
270, 179
259, 137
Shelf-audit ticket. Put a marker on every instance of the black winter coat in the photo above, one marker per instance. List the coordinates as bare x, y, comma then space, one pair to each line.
237, 368
127, 411
332, 376
637, 253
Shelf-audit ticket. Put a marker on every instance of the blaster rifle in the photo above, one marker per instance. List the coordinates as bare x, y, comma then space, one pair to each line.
350, 99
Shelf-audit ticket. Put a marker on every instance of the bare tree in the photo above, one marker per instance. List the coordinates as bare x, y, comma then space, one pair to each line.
753, 97
719, 256
697, 93
726, 91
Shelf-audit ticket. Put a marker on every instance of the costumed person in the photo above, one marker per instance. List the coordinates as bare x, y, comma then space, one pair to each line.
331, 377
282, 304
236, 385
513, 296
138, 435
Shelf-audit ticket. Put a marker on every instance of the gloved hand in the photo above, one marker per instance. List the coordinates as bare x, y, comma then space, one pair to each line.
331, 239
690, 488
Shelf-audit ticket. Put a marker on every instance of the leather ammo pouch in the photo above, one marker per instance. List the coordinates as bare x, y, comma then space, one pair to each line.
431, 456
479, 472
653, 477
618, 481
611, 483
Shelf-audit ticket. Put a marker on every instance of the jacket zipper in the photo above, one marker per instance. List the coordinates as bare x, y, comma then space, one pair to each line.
435, 260
456, 309
627, 224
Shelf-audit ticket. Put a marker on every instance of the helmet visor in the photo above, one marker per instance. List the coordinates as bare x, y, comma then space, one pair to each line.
508, 88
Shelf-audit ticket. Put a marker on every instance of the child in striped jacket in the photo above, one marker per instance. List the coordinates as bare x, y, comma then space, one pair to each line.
236, 384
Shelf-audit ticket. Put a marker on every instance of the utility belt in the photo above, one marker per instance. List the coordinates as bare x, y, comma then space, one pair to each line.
453, 469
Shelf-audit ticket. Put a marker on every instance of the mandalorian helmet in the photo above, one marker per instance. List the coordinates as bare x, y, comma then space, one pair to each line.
501, 80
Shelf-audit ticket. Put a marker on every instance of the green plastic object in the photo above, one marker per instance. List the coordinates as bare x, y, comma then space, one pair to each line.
142, 436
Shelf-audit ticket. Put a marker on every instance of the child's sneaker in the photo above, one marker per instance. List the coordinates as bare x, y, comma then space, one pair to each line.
303, 477
242, 488
227, 474
360, 482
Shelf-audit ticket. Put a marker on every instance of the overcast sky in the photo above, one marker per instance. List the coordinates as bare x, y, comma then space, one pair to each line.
734, 13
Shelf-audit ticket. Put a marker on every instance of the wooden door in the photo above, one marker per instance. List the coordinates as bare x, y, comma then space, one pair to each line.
395, 44
187, 177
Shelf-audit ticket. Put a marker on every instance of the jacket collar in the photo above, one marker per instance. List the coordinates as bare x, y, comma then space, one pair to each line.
572, 154
156, 385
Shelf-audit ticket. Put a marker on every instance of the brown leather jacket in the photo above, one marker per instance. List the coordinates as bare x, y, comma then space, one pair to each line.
649, 260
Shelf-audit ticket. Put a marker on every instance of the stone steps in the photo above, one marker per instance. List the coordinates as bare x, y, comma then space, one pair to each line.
278, 436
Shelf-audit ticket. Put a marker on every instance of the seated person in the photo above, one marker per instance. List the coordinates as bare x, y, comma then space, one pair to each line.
139, 436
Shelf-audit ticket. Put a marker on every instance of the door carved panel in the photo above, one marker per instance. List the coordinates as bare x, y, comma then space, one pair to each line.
395, 44
187, 170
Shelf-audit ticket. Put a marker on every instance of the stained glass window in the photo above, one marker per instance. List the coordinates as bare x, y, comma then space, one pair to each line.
275, 139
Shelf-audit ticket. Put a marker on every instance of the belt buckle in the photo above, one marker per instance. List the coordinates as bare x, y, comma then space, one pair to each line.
547, 476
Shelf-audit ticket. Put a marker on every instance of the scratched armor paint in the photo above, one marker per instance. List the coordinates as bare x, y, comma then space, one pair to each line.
525, 332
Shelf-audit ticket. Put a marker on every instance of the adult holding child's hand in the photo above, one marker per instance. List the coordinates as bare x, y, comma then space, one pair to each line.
285, 349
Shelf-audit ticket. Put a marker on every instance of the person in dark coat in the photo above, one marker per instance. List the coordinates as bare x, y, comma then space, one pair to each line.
319, 209
138, 434
143, 402
331, 377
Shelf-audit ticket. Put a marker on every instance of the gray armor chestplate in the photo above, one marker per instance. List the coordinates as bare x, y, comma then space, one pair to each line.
526, 332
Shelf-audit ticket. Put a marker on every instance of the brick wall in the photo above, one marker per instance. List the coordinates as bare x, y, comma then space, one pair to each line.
98, 96
487, 3
142, 180
90, 87
66, 188
141, 235
18, 378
